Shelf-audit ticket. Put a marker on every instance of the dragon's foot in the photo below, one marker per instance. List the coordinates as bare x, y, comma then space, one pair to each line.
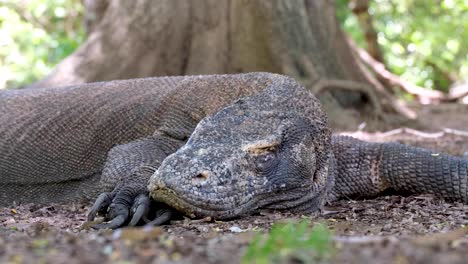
129, 207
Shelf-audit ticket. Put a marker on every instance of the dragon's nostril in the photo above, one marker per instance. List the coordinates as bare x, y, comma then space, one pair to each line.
200, 177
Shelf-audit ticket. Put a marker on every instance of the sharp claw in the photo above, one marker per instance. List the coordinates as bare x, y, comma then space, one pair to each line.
114, 224
117, 213
139, 209
161, 218
118, 207
103, 201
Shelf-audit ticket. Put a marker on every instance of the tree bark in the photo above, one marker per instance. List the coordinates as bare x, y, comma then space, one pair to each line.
141, 38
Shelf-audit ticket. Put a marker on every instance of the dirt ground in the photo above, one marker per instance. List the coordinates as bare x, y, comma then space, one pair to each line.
388, 229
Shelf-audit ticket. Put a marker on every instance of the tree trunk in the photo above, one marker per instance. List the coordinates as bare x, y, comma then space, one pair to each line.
141, 38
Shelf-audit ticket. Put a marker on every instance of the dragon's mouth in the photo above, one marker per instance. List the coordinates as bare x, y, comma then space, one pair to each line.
192, 210
170, 198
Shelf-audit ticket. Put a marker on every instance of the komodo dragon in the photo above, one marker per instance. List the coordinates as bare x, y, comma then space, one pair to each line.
218, 145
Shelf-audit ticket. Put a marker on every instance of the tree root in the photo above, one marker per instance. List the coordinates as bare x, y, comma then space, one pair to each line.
395, 104
326, 84
424, 95
372, 93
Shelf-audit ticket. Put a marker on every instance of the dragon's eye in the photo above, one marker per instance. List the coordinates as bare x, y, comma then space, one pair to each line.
263, 153
265, 160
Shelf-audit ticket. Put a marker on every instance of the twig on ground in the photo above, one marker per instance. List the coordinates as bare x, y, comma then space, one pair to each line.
364, 239
418, 133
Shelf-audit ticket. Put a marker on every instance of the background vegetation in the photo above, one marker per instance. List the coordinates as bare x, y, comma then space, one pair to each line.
425, 42
35, 35
291, 243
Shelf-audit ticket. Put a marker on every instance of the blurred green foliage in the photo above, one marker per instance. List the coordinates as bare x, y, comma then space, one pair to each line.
424, 41
291, 242
35, 35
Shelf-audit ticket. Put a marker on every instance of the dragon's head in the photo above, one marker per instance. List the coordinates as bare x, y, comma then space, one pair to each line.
270, 150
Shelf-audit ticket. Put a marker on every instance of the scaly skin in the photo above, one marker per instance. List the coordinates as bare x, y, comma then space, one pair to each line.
366, 169
219, 145
74, 142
